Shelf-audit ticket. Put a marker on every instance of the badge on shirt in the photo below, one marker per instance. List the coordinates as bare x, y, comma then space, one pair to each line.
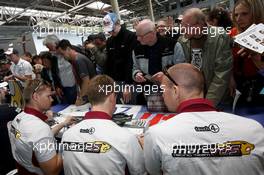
197, 58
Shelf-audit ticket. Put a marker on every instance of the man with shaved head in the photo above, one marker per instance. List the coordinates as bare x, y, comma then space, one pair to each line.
200, 140
209, 49
191, 84
154, 52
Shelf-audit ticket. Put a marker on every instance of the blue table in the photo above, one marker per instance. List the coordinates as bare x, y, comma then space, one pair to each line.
59, 107
255, 113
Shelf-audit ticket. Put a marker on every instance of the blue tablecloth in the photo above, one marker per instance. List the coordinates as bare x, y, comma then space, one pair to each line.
59, 107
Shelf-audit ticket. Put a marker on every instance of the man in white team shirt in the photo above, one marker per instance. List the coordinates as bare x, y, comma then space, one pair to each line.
97, 145
200, 140
21, 69
32, 140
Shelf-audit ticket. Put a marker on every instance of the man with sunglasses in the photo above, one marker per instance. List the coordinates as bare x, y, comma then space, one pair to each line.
200, 140
32, 141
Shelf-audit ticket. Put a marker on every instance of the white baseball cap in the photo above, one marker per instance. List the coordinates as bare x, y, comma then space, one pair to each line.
11, 51
109, 22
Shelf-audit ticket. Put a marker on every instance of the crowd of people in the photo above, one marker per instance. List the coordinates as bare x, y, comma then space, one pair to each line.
197, 74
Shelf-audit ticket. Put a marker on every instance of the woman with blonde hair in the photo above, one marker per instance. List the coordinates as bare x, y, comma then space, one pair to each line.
247, 12
247, 64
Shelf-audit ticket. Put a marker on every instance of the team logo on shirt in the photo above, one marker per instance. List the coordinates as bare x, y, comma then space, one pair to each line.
16, 133
87, 147
226, 149
104, 146
88, 130
212, 127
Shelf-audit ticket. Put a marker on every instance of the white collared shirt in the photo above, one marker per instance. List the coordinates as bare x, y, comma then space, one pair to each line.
22, 68
100, 147
29, 133
205, 143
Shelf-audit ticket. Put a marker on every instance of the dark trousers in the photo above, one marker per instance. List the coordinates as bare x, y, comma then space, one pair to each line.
250, 89
69, 95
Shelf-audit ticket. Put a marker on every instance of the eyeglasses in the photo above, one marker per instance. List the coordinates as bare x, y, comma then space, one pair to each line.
142, 36
166, 73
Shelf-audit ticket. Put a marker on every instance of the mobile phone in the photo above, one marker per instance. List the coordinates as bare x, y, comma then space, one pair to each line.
149, 78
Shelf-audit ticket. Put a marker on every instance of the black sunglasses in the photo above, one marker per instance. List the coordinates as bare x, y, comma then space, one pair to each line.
166, 73
41, 83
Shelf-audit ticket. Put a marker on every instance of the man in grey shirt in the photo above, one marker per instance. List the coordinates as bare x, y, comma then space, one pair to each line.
84, 68
66, 86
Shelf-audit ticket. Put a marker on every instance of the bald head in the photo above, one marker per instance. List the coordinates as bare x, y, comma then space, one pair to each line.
145, 26
182, 82
146, 32
189, 77
196, 15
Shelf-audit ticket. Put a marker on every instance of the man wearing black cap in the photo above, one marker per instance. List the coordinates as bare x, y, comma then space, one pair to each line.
21, 69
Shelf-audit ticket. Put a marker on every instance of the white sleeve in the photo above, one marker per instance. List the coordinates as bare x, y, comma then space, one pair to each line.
44, 149
135, 68
134, 157
12, 68
44, 144
28, 69
152, 155
179, 56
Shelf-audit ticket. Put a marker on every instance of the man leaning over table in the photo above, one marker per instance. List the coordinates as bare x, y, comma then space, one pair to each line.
200, 140
32, 140
97, 145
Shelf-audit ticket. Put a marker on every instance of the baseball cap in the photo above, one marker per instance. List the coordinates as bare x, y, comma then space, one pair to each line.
11, 51
109, 22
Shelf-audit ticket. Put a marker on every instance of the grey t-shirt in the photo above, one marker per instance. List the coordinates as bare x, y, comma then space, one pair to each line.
84, 66
65, 72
